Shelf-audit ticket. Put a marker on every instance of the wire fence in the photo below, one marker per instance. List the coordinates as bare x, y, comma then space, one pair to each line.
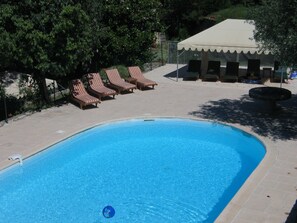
163, 53
25, 98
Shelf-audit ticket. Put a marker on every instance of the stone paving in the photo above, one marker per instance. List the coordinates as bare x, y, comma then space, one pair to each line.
270, 193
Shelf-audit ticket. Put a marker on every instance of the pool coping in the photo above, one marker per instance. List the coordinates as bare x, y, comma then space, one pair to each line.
239, 199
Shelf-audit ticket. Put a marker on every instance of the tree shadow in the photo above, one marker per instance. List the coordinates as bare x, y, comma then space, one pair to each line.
280, 124
292, 218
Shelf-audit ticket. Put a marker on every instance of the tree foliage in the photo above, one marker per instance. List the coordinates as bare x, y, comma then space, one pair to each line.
183, 19
276, 25
44, 38
128, 31
61, 37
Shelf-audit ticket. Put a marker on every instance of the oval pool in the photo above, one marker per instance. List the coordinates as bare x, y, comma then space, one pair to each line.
149, 171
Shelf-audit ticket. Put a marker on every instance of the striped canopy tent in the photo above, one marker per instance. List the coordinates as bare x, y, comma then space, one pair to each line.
231, 35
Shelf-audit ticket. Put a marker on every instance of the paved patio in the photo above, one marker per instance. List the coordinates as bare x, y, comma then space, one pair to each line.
269, 195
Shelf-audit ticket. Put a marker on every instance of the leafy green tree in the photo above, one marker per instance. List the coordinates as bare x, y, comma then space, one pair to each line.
185, 19
245, 2
7, 40
128, 28
44, 38
276, 25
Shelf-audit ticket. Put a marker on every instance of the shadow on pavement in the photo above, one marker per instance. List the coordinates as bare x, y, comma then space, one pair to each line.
182, 71
292, 218
280, 124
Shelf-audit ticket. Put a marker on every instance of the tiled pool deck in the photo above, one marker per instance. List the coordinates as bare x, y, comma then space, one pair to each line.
269, 195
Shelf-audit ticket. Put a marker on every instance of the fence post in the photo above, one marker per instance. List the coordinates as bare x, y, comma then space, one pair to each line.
5, 108
162, 58
3, 94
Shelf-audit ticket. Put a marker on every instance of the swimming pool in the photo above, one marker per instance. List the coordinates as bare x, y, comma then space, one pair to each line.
160, 170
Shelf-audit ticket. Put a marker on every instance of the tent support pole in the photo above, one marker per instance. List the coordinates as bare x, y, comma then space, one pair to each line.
177, 61
282, 76
237, 57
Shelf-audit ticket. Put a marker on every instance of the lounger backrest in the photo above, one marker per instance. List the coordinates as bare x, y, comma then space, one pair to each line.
77, 87
214, 67
94, 80
135, 72
113, 76
254, 67
194, 66
232, 68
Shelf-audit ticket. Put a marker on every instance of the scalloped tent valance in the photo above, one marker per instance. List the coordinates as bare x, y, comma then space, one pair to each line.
231, 35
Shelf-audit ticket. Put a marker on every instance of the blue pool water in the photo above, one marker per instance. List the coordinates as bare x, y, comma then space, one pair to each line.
161, 171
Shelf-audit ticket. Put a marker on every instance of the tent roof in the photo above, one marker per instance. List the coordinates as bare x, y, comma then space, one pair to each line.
233, 35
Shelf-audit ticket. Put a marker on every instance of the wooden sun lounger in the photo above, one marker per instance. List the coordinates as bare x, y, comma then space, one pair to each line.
141, 81
80, 95
117, 83
97, 88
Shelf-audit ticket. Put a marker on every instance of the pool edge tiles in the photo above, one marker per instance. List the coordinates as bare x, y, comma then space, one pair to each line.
62, 137
238, 203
